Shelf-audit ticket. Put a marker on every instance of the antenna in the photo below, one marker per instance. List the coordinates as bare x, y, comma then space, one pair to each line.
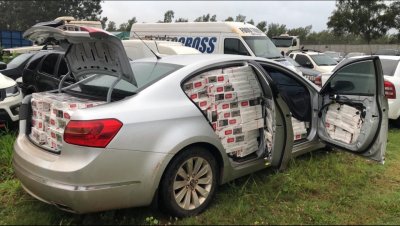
156, 55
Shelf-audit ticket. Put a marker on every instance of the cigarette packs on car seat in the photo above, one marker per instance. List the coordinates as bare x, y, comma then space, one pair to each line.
51, 112
299, 129
230, 98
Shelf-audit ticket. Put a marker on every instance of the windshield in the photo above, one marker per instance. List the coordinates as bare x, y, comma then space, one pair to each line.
282, 42
332, 54
323, 60
17, 61
145, 74
292, 62
389, 66
262, 47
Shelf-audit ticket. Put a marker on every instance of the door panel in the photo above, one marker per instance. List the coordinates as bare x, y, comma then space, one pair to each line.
353, 109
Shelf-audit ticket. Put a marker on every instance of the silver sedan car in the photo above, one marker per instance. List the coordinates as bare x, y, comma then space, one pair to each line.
153, 139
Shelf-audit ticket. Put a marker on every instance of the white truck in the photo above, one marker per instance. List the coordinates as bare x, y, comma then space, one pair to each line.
285, 43
213, 38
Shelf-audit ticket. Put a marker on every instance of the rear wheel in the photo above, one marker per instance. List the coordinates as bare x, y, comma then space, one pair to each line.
189, 182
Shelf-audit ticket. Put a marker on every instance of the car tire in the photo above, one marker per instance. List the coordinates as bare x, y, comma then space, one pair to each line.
182, 194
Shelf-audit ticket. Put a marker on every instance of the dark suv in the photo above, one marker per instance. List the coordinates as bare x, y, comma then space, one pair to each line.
43, 72
15, 68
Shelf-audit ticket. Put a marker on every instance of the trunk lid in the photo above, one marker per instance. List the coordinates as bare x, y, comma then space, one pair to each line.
88, 50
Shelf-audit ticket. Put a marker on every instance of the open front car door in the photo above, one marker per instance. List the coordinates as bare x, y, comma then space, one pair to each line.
353, 109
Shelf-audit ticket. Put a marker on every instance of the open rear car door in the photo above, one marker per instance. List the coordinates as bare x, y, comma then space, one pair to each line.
353, 109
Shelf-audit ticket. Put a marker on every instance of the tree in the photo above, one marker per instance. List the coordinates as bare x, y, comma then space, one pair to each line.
302, 32
130, 23
20, 15
182, 20
393, 17
206, 18
262, 26
240, 18
168, 16
251, 21
229, 19
103, 22
275, 29
358, 17
111, 26
123, 26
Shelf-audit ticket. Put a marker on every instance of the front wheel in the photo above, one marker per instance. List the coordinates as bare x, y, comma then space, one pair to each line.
189, 182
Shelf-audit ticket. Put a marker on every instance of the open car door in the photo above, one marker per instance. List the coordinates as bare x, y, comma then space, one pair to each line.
353, 109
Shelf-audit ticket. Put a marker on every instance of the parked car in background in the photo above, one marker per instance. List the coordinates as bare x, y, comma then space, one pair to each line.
391, 72
314, 60
353, 54
389, 52
10, 101
338, 56
43, 71
309, 73
154, 136
16, 66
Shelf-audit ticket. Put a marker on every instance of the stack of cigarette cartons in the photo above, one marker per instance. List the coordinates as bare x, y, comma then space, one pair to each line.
299, 129
230, 98
343, 122
51, 112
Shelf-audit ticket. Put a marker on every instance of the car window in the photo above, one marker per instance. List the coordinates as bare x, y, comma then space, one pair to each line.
234, 46
292, 62
354, 79
323, 60
293, 92
302, 59
62, 69
389, 66
49, 64
17, 61
32, 65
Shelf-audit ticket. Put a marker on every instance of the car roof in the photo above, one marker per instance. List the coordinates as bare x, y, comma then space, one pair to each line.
388, 57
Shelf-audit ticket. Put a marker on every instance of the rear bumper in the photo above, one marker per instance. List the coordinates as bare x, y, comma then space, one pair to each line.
89, 180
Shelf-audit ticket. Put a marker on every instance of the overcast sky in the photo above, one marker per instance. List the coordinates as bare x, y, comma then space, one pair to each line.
292, 13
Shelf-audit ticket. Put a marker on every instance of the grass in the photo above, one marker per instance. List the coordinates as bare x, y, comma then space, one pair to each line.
319, 188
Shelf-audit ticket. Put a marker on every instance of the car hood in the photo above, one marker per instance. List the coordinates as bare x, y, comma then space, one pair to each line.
88, 50
324, 69
6, 82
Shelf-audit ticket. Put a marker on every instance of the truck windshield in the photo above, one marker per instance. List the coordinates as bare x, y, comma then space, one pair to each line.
262, 47
282, 42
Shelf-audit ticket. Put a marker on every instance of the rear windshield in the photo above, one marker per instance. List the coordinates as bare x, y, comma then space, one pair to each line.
145, 74
389, 66
17, 61
323, 60
282, 42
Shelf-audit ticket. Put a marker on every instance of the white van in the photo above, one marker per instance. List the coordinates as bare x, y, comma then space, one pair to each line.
285, 43
136, 49
213, 37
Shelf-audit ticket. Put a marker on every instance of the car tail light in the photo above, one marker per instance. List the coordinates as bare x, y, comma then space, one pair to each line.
318, 80
92, 133
390, 90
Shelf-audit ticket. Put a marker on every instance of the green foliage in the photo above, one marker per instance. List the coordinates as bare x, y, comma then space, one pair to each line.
275, 29
20, 15
6, 147
251, 21
229, 19
302, 32
262, 26
206, 18
168, 16
240, 18
358, 17
151, 221
180, 19
111, 26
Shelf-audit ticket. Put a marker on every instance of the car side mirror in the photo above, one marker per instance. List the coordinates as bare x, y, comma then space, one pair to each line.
19, 82
309, 64
294, 42
342, 86
3, 65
